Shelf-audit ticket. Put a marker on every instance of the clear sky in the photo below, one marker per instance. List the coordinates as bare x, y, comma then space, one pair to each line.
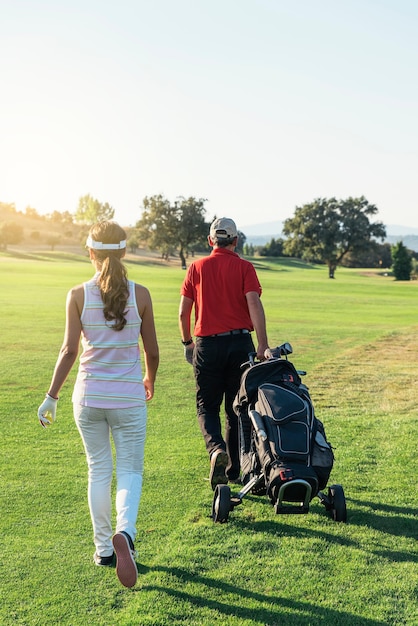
258, 106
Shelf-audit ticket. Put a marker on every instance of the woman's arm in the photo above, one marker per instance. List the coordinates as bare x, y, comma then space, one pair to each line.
149, 339
70, 346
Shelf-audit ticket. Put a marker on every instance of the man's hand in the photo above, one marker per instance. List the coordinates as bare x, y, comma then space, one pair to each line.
188, 353
262, 351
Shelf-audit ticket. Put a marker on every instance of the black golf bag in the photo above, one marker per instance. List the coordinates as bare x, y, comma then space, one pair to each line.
282, 442
284, 451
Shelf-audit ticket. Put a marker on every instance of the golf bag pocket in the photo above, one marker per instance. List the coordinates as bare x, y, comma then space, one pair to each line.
287, 419
280, 404
285, 473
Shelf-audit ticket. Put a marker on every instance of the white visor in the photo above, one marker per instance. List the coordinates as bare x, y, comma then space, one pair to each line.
99, 245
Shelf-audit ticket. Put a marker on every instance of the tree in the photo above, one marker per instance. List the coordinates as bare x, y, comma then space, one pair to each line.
327, 230
7, 208
274, 248
249, 249
169, 227
65, 218
10, 232
52, 240
376, 255
156, 228
132, 240
242, 240
32, 213
401, 262
90, 210
191, 226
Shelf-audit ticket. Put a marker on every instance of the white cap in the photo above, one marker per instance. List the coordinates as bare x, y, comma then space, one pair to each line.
223, 228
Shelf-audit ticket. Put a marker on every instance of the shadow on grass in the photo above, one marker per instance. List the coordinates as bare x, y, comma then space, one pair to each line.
401, 521
276, 608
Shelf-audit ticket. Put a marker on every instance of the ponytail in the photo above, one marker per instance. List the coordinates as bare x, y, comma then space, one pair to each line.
113, 277
113, 285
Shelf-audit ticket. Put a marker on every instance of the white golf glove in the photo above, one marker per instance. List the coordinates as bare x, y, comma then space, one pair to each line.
47, 411
188, 353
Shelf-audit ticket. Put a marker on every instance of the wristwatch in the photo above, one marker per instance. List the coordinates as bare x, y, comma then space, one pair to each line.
188, 342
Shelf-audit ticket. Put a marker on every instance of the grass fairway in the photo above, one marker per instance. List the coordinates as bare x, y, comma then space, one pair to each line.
358, 338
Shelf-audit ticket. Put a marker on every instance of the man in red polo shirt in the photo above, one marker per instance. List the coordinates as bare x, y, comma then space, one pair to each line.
225, 292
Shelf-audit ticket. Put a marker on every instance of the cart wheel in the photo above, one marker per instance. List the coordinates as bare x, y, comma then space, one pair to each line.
338, 506
221, 504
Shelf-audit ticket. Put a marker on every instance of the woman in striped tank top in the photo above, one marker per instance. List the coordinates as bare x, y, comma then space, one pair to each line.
110, 314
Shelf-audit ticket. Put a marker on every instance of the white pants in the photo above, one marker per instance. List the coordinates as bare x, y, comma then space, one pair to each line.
128, 428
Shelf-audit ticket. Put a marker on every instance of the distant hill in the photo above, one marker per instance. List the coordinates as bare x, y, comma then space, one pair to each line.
410, 241
262, 229
260, 234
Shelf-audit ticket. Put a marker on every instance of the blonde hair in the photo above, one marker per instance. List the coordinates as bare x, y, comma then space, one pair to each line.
113, 278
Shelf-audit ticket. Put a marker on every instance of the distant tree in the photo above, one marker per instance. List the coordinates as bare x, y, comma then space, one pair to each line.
414, 268
242, 239
32, 213
7, 208
249, 249
65, 218
90, 210
133, 243
169, 227
376, 255
385, 254
10, 233
326, 230
157, 225
191, 225
52, 240
402, 262
274, 248
55, 217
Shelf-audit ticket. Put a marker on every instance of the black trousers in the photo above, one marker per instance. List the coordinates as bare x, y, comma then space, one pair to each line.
217, 367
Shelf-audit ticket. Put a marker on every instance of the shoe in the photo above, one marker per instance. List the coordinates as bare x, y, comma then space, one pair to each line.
107, 561
126, 569
218, 462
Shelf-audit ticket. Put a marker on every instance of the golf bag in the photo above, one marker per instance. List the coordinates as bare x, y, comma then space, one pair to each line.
284, 450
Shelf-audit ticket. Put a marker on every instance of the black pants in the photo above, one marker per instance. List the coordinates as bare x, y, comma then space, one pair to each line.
217, 368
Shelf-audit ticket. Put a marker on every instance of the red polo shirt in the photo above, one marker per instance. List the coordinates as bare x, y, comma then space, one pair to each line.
217, 284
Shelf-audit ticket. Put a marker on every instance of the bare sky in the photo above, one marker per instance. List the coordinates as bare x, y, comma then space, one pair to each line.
258, 106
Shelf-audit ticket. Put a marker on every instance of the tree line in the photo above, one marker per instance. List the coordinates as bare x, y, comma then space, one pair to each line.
326, 231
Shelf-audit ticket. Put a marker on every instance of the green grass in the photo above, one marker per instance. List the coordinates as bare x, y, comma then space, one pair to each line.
358, 338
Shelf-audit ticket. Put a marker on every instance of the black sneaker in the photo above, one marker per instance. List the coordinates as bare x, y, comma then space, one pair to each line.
218, 462
106, 561
126, 569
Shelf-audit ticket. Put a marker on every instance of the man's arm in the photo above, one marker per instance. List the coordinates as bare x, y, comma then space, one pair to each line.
185, 310
258, 319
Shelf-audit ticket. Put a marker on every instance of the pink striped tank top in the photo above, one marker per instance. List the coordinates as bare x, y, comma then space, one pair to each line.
109, 374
